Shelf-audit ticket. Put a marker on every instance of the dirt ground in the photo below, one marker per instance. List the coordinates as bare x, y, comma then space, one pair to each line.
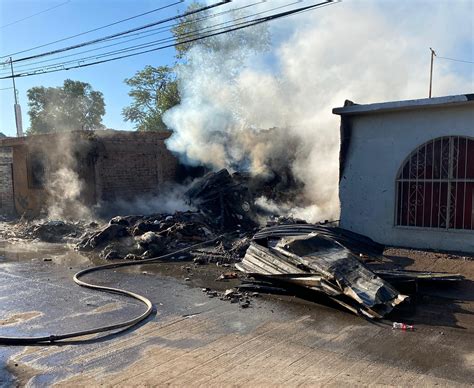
197, 340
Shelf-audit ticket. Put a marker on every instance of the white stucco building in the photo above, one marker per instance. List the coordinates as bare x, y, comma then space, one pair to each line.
407, 172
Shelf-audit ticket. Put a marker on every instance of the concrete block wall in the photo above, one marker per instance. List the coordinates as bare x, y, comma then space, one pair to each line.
7, 201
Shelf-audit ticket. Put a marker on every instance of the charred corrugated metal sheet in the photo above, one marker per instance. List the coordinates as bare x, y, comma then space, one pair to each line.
326, 259
319, 262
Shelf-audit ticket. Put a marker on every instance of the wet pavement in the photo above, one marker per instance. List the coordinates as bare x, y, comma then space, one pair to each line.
192, 339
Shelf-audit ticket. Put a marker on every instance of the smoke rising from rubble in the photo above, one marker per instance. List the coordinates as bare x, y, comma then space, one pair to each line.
362, 51
64, 189
63, 185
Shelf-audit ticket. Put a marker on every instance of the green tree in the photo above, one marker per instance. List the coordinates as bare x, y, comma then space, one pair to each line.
233, 43
190, 26
154, 91
73, 106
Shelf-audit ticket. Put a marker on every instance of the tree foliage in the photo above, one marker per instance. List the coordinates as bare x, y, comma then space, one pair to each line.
73, 106
154, 90
191, 28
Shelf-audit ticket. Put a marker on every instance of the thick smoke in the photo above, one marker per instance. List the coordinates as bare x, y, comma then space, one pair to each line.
362, 51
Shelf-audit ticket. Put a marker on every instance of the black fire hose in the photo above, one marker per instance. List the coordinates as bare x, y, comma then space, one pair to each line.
49, 339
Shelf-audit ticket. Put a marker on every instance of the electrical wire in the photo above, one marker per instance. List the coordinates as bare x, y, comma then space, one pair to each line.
53, 338
160, 30
95, 29
246, 25
35, 14
11, 87
94, 41
107, 54
184, 22
147, 44
455, 60
143, 45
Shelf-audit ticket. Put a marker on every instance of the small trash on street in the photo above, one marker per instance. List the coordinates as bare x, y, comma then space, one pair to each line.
402, 326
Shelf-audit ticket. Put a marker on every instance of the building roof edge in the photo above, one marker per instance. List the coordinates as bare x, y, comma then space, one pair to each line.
356, 109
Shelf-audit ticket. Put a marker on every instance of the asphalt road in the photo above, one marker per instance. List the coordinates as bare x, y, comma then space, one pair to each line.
196, 340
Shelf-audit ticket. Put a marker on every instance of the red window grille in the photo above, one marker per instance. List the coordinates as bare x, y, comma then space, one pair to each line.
435, 185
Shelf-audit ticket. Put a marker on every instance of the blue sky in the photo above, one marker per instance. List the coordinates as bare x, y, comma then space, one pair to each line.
71, 18
445, 25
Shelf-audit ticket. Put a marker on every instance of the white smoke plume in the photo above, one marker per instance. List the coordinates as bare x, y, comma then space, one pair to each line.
363, 51
64, 187
64, 201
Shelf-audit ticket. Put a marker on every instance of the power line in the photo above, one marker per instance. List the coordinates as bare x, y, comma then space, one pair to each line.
137, 47
150, 33
223, 2
11, 87
62, 65
194, 21
208, 29
38, 13
455, 60
95, 29
246, 25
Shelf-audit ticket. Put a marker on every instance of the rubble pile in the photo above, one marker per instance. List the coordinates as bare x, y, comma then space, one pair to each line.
225, 199
224, 209
140, 237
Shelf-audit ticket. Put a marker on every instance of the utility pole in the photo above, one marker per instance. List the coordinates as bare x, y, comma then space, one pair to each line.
433, 54
17, 107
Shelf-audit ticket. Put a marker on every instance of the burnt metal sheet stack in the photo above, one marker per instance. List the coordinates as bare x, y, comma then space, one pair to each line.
325, 259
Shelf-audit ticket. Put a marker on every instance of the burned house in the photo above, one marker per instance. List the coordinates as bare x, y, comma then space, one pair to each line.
101, 166
407, 172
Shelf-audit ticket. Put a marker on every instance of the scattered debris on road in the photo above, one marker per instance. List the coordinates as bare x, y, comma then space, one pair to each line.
52, 231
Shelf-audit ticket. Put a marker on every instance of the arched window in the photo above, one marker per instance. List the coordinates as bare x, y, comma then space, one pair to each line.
435, 185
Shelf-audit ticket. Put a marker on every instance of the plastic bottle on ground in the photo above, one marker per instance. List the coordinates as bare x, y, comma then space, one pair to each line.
402, 326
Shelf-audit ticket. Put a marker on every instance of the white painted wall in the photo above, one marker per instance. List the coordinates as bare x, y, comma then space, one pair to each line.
380, 143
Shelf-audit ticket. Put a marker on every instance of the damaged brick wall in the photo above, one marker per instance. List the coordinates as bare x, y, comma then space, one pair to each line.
132, 164
7, 204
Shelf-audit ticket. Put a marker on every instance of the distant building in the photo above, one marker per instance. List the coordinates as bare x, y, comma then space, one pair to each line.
110, 165
407, 172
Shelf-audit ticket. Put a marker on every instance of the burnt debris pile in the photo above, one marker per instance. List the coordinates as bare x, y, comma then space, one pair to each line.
143, 237
329, 261
224, 199
224, 209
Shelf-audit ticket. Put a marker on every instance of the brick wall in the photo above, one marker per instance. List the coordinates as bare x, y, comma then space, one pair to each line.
7, 204
132, 164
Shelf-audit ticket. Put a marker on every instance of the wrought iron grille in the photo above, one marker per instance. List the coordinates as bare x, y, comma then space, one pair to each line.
435, 186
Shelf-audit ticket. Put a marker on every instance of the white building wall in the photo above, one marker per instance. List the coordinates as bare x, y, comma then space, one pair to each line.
379, 145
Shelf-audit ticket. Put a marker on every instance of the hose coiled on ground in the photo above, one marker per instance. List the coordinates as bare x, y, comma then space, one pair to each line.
53, 338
